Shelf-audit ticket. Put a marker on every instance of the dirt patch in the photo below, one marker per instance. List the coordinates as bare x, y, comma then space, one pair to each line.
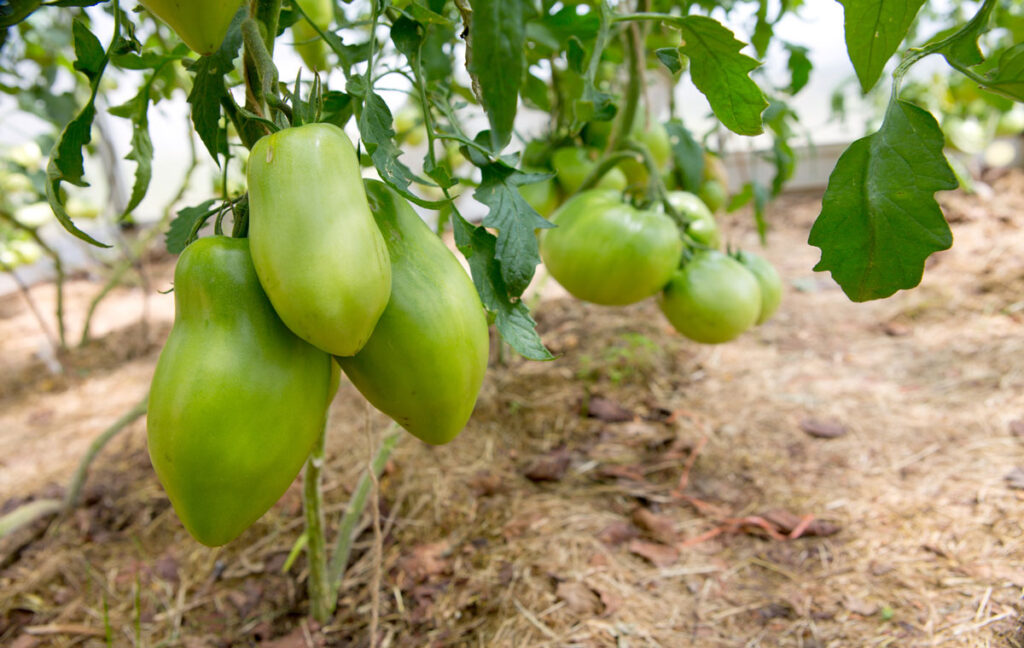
640, 490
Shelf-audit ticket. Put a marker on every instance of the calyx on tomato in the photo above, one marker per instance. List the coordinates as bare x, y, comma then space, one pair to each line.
712, 298
606, 251
202, 24
237, 400
425, 362
316, 248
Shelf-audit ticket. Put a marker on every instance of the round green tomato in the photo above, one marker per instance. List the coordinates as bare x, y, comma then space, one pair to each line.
767, 278
703, 227
573, 164
606, 251
713, 194
237, 400
712, 298
202, 24
542, 196
317, 250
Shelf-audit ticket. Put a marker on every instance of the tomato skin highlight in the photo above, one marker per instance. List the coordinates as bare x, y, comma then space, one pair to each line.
769, 281
425, 362
605, 251
712, 298
202, 24
319, 255
237, 400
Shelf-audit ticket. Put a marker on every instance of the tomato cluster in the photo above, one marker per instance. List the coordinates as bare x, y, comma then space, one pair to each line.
607, 251
332, 267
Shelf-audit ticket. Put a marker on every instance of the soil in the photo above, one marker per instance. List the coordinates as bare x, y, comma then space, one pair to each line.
844, 475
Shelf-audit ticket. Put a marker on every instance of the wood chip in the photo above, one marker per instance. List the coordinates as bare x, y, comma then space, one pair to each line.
822, 429
656, 553
787, 522
425, 561
659, 527
860, 606
1017, 428
579, 598
608, 411
1015, 478
485, 483
550, 468
617, 532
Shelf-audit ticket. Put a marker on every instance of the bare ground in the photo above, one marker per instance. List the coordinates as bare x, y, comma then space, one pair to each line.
880, 436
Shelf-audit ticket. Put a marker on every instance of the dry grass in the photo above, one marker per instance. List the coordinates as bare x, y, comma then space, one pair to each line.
930, 550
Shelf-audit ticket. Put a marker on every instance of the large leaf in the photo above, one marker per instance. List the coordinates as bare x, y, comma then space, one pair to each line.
515, 220
722, 74
209, 89
496, 59
511, 316
879, 219
874, 30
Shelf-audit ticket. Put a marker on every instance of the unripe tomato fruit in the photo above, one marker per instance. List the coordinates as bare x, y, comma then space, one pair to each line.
316, 248
308, 43
712, 298
202, 24
767, 278
573, 164
425, 362
605, 251
542, 196
703, 227
237, 400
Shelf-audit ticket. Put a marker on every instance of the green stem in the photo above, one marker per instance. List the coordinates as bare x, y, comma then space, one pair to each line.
356, 506
604, 165
320, 595
634, 51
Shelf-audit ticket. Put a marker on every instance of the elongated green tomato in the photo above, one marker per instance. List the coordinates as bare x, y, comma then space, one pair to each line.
237, 400
703, 227
712, 298
425, 362
308, 43
605, 251
202, 24
317, 251
572, 165
767, 278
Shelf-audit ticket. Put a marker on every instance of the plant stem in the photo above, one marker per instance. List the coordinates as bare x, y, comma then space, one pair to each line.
58, 267
320, 605
356, 505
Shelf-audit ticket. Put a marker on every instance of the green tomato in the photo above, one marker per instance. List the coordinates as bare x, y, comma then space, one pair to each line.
606, 251
316, 248
572, 164
1011, 122
237, 400
308, 43
542, 196
202, 24
712, 298
767, 278
425, 362
713, 194
703, 227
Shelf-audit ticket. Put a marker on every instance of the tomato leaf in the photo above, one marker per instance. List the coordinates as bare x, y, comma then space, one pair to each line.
375, 122
687, 156
209, 89
799, 66
188, 221
512, 318
496, 59
516, 249
721, 73
879, 219
1008, 78
874, 29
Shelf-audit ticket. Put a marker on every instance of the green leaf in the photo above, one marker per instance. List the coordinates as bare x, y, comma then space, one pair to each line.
137, 110
721, 73
516, 249
188, 221
799, 68
758, 193
375, 122
962, 49
496, 59
879, 219
687, 156
535, 92
13, 12
874, 30
90, 59
670, 58
512, 318
1008, 78
209, 89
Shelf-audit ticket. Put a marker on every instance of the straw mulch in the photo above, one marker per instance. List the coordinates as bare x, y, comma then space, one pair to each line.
845, 475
